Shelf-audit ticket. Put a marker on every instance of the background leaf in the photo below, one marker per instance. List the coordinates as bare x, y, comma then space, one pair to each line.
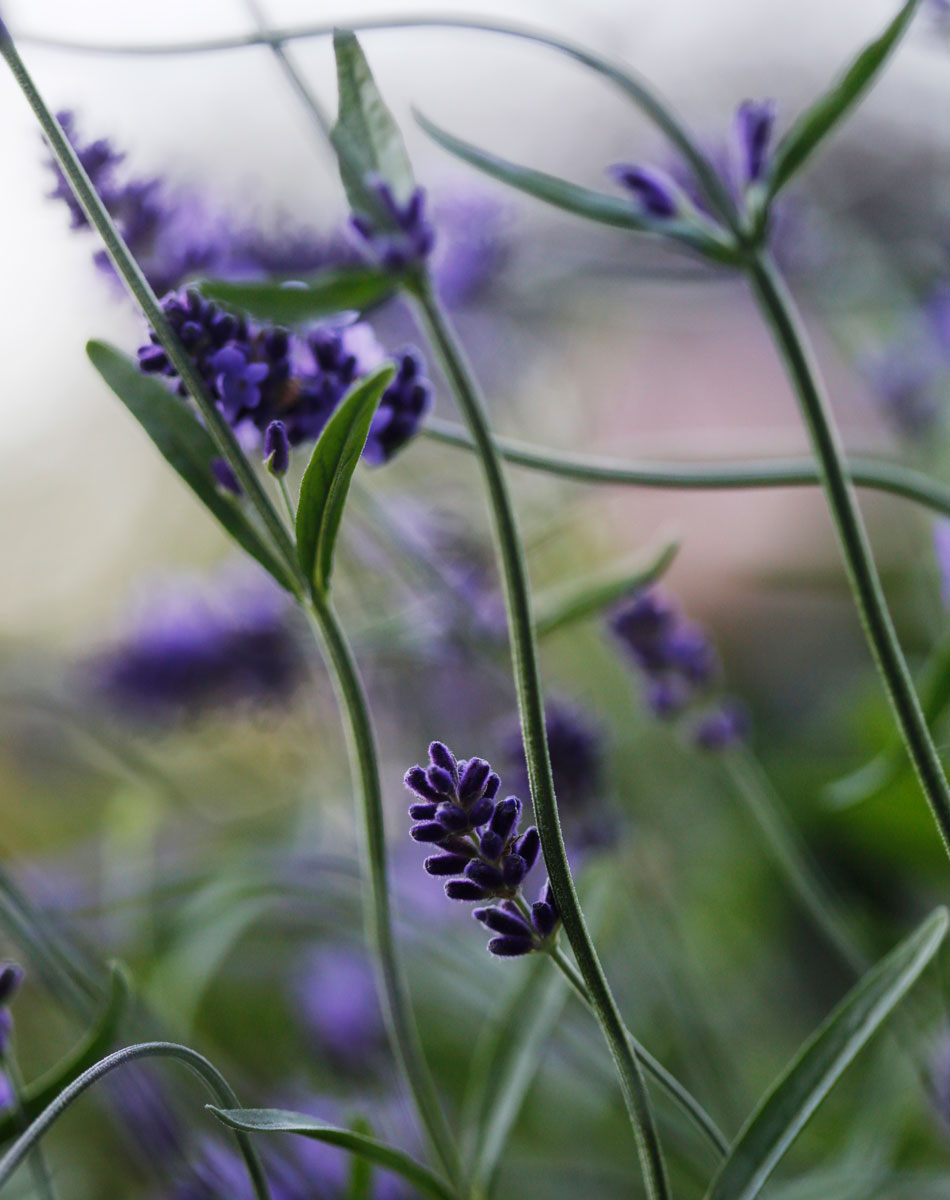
187, 446
795, 1096
324, 294
365, 137
275, 1120
581, 201
829, 110
326, 481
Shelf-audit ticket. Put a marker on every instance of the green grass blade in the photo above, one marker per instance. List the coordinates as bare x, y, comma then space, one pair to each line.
275, 1120
795, 1096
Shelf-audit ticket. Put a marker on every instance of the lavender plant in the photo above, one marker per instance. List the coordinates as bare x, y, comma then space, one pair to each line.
236, 376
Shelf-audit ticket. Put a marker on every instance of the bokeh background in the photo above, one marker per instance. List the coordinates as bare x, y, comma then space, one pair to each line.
211, 846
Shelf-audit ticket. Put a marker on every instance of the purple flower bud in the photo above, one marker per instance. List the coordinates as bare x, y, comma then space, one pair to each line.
723, 726
441, 756
416, 782
276, 449
513, 869
429, 831
484, 874
224, 476
422, 812
452, 817
506, 817
492, 785
473, 779
453, 844
481, 812
528, 846
510, 947
445, 864
752, 131
11, 978
654, 190
544, 918
491, 844
466, 890
441, 781
502, 920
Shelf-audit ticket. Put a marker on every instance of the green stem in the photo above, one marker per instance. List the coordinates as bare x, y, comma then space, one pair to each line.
683, 1098
42, 1176
791, 855
882, 476
779, 310
628, 82
292, 75
531, 707
141, 291
394, 995
215, 1082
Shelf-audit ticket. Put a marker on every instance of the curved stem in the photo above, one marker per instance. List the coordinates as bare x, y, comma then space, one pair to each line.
393, 993
882, 476
635, 88
215, 1082
531, 707
141, 291
779, 310
42, 1176
683, 1098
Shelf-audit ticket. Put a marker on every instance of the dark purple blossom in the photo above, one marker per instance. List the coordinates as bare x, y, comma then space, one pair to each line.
276, 449
679, 666
479, 845
196, 649
262, 374
396, 235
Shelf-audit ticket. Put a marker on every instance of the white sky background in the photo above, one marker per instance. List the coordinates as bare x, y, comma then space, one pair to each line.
227, 124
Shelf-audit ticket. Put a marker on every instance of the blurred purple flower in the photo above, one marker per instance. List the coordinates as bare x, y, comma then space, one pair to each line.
335, 996
679, 665
941, 536
473, 245
902, 378
398, 236
195, 648
260, 374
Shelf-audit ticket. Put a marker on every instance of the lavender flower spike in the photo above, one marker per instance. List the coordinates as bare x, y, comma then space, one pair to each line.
480, 847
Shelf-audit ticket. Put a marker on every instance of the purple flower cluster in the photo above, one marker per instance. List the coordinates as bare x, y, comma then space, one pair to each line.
171, 234
742, 162
480, 845
193, 650
11, 978
679, 666
397, 236
261, 374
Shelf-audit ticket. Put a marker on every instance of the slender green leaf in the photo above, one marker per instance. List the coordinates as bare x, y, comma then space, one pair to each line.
582, 201
366, 138
275, 1120
329, 292
792, 1100
97, 1042
186, 445
567, 603
326, 481
829, 110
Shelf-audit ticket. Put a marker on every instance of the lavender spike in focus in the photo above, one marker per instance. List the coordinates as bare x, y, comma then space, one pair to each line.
480, 847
